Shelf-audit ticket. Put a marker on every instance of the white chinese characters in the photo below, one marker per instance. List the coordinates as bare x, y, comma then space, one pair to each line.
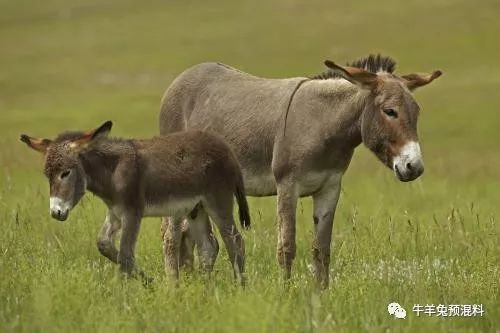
451, 310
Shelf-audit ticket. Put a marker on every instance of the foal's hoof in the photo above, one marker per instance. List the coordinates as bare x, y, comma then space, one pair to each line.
243, 282
147, 281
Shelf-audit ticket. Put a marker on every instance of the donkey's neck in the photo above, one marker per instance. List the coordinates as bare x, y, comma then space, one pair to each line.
347, 102
99, 164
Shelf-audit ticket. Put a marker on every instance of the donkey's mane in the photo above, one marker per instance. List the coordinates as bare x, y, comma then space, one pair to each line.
373, 63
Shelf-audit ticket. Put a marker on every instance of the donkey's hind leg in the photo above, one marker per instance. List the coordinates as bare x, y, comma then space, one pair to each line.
202, 233
187, 242
106, 237
186, 256
172, 235
220, 209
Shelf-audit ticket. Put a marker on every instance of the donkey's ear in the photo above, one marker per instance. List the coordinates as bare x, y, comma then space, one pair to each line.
40, 145
355, 75
413, 81
94, 135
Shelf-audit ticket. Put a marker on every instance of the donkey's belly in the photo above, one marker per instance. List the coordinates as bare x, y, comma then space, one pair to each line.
174, 207
259, 185
314, 181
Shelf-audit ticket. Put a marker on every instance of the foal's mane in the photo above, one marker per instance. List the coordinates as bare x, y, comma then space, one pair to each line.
373, 63
75, 135
69, 136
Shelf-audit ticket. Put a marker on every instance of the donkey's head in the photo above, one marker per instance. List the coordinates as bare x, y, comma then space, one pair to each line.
63, 167
389, 121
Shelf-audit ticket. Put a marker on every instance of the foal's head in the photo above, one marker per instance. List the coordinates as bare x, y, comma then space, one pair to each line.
389, 122
63, 167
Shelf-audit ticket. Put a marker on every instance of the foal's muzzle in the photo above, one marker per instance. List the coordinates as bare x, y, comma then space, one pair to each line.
59, 215
59, 209
408, 165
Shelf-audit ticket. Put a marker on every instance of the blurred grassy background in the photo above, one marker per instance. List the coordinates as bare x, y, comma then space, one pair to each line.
73, 64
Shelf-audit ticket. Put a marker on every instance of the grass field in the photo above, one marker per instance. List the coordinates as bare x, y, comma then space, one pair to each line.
73, 64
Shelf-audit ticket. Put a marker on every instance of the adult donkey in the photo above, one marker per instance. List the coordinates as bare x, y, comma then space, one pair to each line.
295, 137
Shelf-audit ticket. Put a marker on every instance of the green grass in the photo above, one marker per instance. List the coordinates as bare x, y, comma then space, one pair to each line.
73, 64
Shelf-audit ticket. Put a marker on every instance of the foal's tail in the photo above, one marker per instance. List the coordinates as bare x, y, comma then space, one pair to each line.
239, 193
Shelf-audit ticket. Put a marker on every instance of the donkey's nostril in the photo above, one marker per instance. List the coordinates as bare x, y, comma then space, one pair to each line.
409, 166
59, 214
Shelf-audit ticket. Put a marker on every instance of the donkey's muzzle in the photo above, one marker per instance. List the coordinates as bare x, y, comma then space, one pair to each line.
410, 171
408, 165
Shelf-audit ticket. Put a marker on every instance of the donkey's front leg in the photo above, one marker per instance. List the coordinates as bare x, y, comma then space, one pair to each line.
131, 222
324, 205
106, 237
287, 204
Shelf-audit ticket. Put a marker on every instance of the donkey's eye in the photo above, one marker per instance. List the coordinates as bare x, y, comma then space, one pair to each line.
65, 174
391, 113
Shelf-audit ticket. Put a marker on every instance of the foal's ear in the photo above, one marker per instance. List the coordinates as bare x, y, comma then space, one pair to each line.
413, 81
102, 131
94, 135
355, 75
40, 145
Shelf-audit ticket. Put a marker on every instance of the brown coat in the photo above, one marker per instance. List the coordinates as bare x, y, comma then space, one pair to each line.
169, 176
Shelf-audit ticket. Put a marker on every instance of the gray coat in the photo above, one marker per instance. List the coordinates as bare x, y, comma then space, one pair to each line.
295, 137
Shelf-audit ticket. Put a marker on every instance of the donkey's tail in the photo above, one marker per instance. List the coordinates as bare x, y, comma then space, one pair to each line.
239, 193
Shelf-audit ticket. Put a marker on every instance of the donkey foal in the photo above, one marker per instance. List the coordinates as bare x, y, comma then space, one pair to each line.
170, 176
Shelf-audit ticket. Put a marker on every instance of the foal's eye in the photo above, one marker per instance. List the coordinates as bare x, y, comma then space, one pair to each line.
391, 113
65, 174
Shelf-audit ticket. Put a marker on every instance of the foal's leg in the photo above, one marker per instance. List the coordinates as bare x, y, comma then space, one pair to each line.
131, 222
287, 204
325, 203
106, 237
171, 246
220, 209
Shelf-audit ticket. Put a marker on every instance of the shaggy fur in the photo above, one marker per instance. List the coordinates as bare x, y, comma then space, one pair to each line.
169, 176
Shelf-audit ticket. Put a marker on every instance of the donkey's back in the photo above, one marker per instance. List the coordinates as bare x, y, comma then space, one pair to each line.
245, 110
214, 89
